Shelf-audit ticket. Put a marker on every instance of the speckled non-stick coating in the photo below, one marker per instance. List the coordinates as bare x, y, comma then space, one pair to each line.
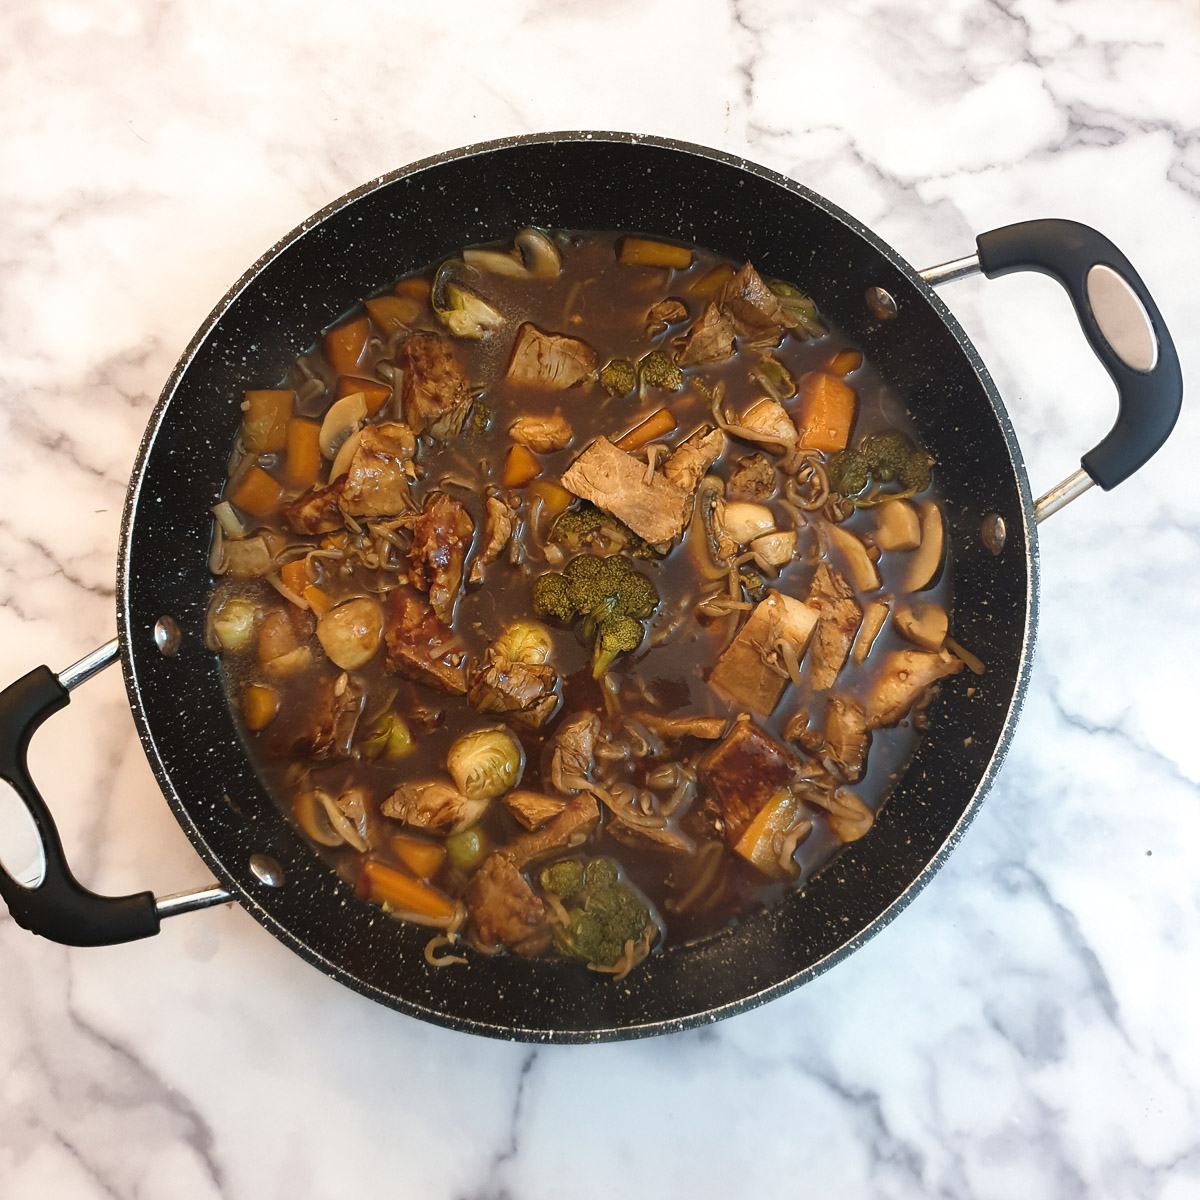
403, 221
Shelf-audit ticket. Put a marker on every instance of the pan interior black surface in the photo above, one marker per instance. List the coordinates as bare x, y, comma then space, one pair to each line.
401, 222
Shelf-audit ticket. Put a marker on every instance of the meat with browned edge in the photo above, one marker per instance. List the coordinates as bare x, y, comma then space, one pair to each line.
420, 645
434, 396
441, 538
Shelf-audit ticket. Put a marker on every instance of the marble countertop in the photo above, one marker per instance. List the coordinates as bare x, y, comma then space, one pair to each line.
1026, 1028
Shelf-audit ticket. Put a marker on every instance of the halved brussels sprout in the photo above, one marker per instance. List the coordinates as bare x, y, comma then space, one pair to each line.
462, 312
486, 763
524, 642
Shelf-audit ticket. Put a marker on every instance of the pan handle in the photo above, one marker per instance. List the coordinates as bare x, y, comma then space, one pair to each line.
1122, 325
57, 905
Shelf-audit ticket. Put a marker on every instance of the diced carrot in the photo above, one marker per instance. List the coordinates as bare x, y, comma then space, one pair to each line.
260, 704
555, 499
319, 601
344, 344
826, 412
265, 416
302, 467
758, 844
422, 858
656, 425
257, 493
711, 282
641, 252
417, 288
394, 313
294, 576
374, 393
843, 362
408, 897
520, 467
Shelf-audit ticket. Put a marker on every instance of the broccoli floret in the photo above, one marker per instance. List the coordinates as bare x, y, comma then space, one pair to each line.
481, 418
777, 375
885, 454
608, 594
914, 476
575, 528
611, 914
564, 878
754, 585
552, 597
661, 372
848, 472
618, 377
617, 635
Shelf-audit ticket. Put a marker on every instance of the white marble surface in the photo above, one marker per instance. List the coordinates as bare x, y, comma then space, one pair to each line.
1029, 1027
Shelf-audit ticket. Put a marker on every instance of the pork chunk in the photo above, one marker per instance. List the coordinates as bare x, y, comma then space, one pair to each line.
753, 310
691, 459
616, 482
549, 360
331, 719
376, 484
504, 910
317, 511
542, 435
523, 692
750, 672
498, 523
434, 806
710, 338
434, 395
533, 809
743, 771
752, 479
420, 646
441, 538
846, 735
569, 828
832, 598
571, 751
903, 676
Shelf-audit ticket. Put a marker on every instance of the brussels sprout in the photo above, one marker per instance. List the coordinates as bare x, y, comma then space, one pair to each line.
466, 848
486, 763
389, 738
463, 313
524, 642
232, 624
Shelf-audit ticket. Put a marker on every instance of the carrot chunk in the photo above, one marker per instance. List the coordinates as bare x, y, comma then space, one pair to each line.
656, 425
391, 314
520, 467
642, 252
422, 858
711, 282
407, 897
302, 466
374, 393
265, 414
294, 576
259, 705
826, 412
758, 844
843, 362
317, 600
344, 344
257, 493
555, 499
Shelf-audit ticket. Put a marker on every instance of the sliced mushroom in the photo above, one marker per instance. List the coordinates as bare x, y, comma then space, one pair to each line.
927, 557
863, 572
345, 417
925, 624
744, 522
774, 550
345, 456
533, 256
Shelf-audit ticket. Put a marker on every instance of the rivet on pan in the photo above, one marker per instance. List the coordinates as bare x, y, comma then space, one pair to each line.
882, 304
266, 870
993, 532
167, 635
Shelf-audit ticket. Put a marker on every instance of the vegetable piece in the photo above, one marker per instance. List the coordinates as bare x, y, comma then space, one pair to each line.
485, 763
555, 500
260, 704
422, 858
972, 662
897, 526
642, 252
826, 412
774, 550
391, 314
350, 633
776, 377
302, 467
608, 921
801, 310
563, 878
831, 596
926, 559
657, 424
319, 601
765, 838
926, 624
406, 897
658, 371
344, 344
388, 738
257, 493
265, 415
524, 642
294, 576
462, 312
849, 472
246, 558
312, 817
467, 848
863, 572
843, 362
744, 522
616, 635
534, 256
711, 282
345, 455
432, 805
375, 394
874, 616
345, 417
520, 467
901, 677
231, 624
769, 422
277, 635
618, 377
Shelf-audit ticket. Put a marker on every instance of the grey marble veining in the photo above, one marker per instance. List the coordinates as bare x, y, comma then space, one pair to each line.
1028, 1027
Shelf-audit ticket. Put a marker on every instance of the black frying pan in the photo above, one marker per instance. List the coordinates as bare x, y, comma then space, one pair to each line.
600, 181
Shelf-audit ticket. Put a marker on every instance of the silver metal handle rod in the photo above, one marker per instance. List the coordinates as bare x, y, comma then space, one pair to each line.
1061, 495
948, 272
182, 902
89, 665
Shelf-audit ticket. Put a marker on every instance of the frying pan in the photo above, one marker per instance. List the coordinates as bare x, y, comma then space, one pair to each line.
404, 220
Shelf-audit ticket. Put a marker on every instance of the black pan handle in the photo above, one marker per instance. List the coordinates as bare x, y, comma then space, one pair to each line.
1120, 321
59, 907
